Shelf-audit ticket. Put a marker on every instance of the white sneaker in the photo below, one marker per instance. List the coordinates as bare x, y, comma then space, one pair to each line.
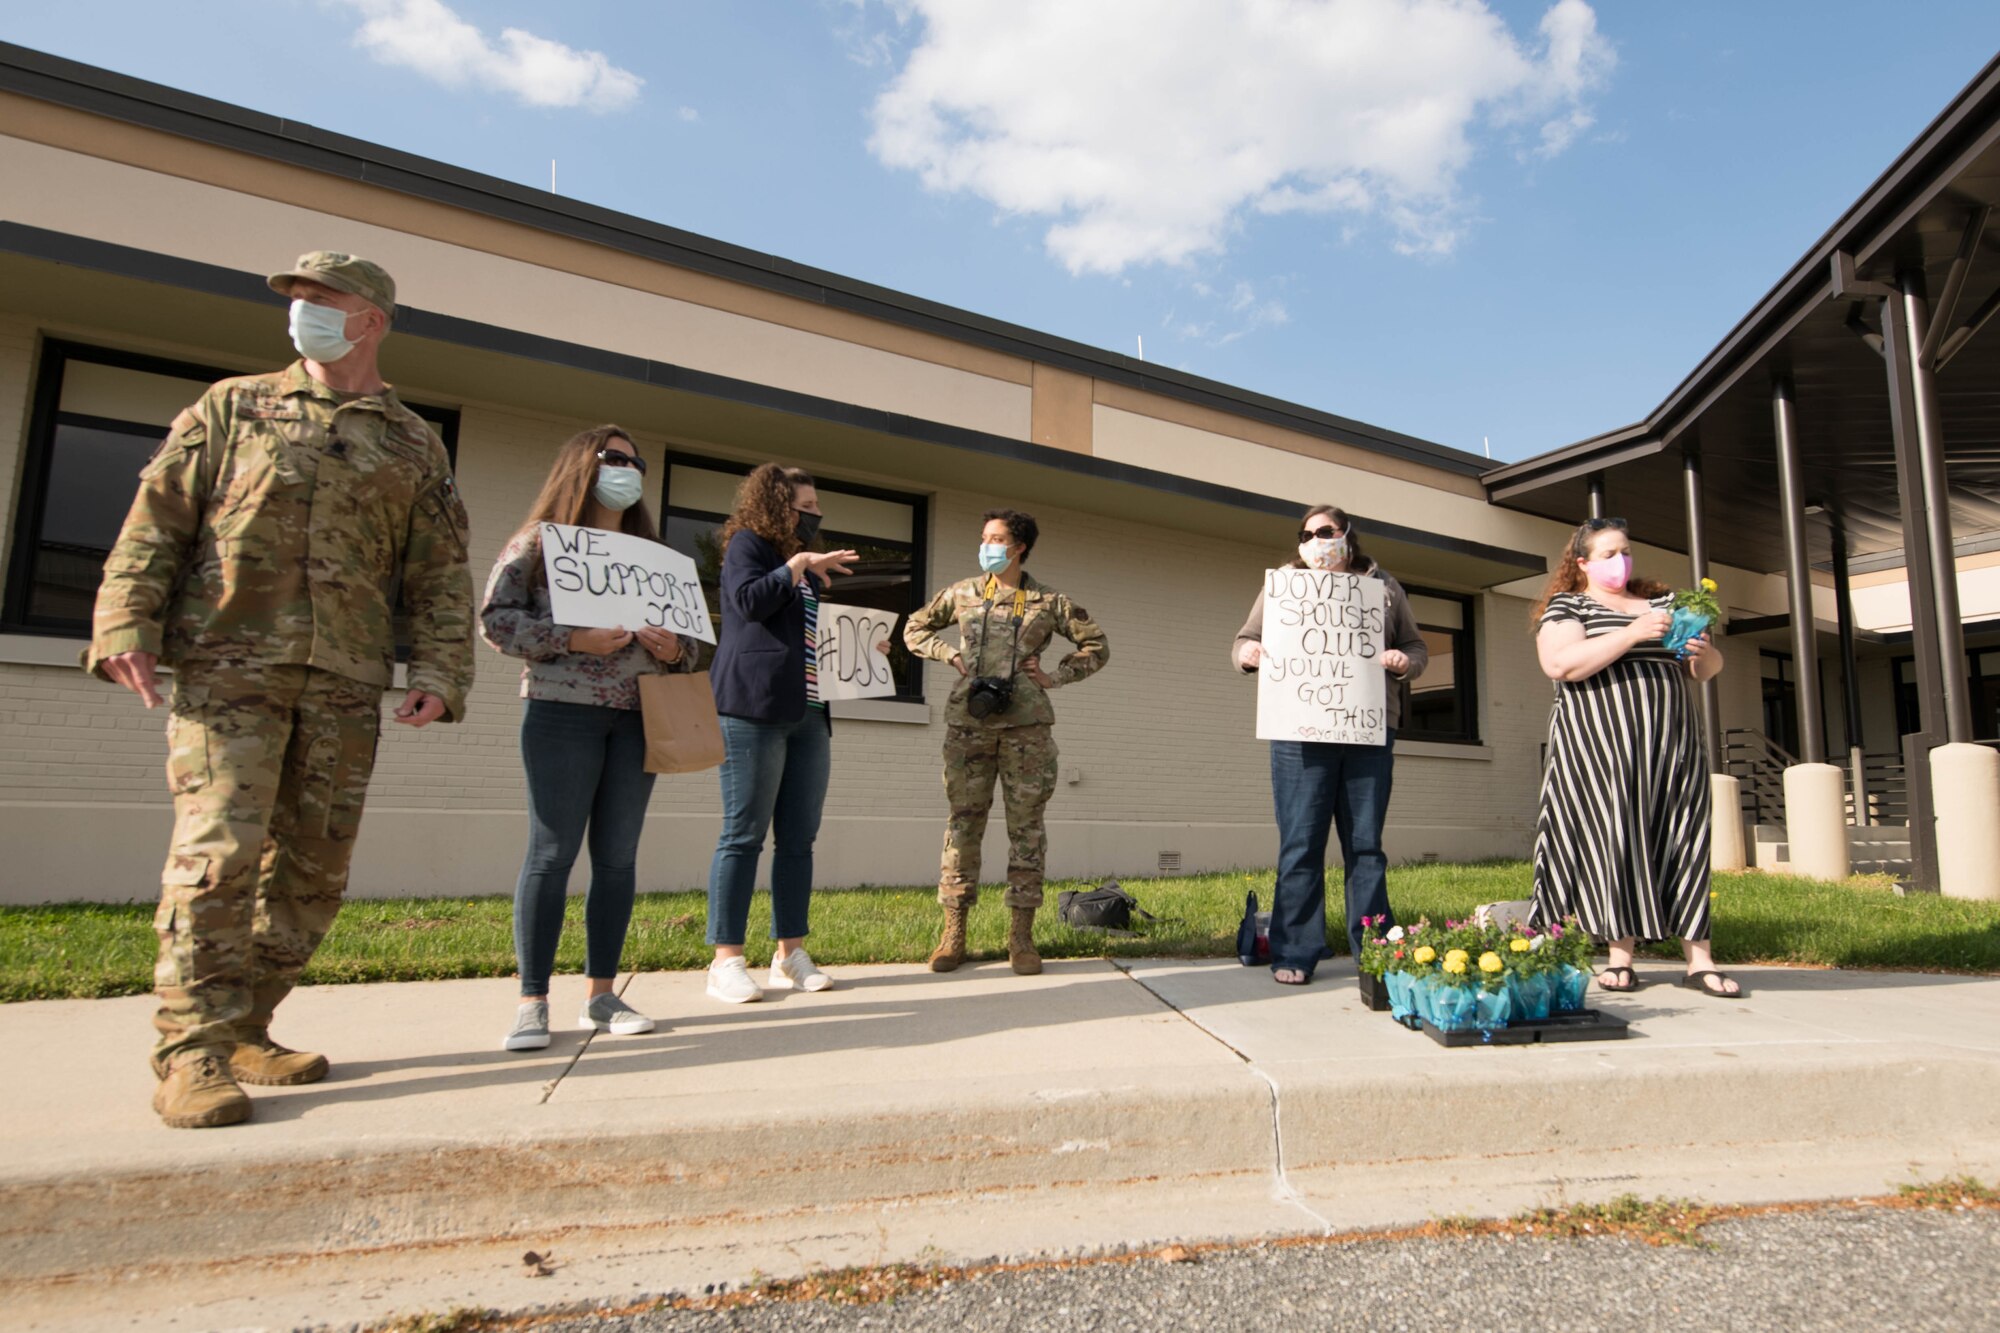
729, 981
608, 1013
798, 969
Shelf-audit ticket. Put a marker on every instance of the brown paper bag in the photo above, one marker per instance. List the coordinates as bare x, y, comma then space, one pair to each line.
683, 734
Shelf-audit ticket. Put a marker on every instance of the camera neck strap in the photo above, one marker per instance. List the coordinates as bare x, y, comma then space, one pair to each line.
986, 617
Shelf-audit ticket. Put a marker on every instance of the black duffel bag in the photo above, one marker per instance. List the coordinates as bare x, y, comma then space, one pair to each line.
1106, 907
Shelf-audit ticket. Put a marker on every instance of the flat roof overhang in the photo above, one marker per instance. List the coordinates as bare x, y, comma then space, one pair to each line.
1915, 217
76, 286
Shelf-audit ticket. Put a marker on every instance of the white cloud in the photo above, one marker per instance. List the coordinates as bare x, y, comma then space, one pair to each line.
429, 37
1151, 130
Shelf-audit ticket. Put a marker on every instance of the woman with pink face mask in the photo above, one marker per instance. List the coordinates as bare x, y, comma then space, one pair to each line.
1622, 841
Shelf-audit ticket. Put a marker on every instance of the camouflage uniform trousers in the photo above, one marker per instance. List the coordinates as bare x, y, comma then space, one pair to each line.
269, 766
1024, 761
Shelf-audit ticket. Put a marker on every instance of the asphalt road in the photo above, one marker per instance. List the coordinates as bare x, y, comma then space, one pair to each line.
1873, 1269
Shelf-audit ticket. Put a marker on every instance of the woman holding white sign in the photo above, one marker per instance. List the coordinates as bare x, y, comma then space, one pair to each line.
776, 734
1316, 784
582, 739
1622, 841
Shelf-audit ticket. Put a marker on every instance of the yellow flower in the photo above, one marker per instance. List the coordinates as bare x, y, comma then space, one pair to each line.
1490, 962
1454, 965
1519, 945
1457, 956
1708, 585
1425, 954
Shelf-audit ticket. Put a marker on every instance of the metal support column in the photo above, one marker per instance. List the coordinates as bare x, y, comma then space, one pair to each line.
1942, 557
1901, 356
1711, 704
1843, 608
1596, 495
1798, 574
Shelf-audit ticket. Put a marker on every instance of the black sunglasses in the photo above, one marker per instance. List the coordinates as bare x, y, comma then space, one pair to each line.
616, 459
1326, 533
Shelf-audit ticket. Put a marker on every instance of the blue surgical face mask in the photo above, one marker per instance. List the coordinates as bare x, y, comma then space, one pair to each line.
618, 488
320, 332
993, 556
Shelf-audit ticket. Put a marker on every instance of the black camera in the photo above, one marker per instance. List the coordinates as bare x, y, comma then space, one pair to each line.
988, 695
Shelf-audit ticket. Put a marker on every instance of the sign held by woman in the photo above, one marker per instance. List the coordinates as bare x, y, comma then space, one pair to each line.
850, 667
612, 580
1321, 677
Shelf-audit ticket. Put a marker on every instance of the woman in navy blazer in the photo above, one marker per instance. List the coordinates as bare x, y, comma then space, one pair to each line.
776, 734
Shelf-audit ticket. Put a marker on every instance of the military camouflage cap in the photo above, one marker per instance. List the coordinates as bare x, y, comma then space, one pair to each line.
344, 273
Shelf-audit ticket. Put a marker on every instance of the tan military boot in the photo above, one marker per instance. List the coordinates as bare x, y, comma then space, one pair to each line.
258, 1059
1021, 955
951, 944
198, 1092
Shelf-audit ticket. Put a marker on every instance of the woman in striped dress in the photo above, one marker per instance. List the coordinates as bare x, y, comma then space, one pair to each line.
1622, 842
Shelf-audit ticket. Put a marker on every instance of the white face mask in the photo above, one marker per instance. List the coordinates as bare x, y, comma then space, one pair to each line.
1321, 552
320, 332
618, 488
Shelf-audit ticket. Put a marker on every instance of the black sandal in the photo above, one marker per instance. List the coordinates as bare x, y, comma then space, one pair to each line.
1631, 980
1699, 981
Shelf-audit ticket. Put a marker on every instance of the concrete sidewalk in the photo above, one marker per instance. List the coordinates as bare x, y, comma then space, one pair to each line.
911, 1116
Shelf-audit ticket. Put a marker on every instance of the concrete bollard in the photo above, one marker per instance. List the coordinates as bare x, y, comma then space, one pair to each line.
1725, 841
1816, 821
1965, 790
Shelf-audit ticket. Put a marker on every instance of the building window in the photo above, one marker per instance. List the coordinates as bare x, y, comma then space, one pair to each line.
1982, 683
1443, 703
1781, 700
886, 527
98, 417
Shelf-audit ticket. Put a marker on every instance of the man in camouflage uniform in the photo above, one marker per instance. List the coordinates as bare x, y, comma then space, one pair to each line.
1005, 619
260, 559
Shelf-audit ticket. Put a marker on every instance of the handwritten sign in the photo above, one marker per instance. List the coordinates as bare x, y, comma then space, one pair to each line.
1321, 676
849, 666
611, 580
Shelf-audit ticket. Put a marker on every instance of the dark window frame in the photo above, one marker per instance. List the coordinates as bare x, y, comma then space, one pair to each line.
919, 529
46, 415
1465, 664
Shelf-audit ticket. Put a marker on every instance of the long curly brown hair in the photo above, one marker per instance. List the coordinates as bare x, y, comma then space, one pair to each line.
1569, 575
565, 496
764, 506
1357, 561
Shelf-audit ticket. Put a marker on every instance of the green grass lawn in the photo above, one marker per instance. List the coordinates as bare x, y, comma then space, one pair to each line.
93, 949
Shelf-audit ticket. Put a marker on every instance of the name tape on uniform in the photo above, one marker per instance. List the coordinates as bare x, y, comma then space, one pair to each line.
1321, 677
613, 580
849, 665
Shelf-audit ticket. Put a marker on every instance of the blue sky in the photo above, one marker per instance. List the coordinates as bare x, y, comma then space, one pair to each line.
1523, 220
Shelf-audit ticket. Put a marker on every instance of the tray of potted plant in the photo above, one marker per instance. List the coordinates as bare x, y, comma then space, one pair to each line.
1471, 985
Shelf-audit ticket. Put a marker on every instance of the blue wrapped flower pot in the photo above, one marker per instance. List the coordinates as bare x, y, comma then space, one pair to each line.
1454, 1008
1570, 985
1534, 995
1686, 626
1493, 1009
1401, 1002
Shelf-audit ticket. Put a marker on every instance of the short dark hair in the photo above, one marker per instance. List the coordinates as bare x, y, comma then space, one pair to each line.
1021, 527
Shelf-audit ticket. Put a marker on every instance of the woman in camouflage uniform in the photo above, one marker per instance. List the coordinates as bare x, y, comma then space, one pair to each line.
1000, 724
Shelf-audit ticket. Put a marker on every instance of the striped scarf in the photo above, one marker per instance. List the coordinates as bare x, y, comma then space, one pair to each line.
812, 644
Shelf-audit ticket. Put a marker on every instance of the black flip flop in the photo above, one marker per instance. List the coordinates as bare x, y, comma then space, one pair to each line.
1631, 980
1694, 981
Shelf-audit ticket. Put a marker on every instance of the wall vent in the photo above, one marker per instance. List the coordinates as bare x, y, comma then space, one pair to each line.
1170, 863
1428, 857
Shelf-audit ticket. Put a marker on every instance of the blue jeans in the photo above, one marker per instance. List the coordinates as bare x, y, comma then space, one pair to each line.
586, 774
1314, 784
772, 773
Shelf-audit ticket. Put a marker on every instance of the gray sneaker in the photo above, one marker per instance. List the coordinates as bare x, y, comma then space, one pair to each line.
609, 1013
531, 1028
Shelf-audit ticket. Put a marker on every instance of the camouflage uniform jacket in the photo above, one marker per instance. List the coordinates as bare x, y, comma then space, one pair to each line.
987, 644
270, 529
517, 619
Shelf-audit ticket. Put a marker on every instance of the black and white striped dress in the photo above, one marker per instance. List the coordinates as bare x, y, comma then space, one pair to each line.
1622, 839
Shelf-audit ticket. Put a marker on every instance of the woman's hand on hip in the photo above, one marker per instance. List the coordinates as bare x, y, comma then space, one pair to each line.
598, 642
664, 645
1033, 667
1396, 660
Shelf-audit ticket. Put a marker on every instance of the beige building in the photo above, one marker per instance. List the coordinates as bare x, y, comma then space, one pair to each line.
138, 223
